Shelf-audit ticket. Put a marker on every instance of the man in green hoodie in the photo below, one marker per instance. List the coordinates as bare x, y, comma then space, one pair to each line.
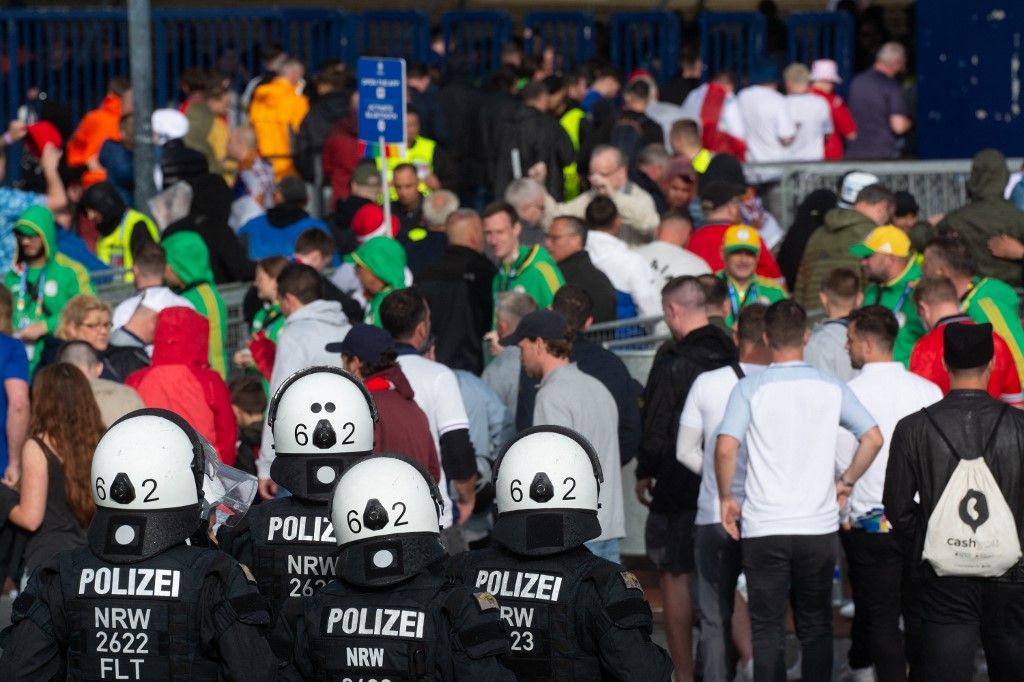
39, 283
988, 217
188, 272
862, 208
380, 267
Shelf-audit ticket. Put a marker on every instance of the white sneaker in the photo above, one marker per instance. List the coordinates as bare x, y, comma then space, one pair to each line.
847, 610
794, 671
744, 671
848, 674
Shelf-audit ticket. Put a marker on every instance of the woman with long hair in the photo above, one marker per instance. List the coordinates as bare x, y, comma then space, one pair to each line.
56, 493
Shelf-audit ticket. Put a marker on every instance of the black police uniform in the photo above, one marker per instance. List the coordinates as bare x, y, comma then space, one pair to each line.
426, 628
572, 615
185, 614
289, 545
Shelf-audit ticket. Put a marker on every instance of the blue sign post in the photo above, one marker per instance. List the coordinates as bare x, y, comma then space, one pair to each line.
382, 111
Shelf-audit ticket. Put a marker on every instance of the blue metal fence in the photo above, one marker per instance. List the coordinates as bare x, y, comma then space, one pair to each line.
822, 35
71, 55
403, 34
648, 40
730, 41
474, 40
569, 34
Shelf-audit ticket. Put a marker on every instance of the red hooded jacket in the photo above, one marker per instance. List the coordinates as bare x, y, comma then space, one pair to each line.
402, 427
180, 379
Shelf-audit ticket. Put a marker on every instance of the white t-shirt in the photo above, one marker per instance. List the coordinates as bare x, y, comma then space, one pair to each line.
889, 392
668, 261
436, 391
704, 409
627, 270
790, 416
730, 121
767, 121
813, 121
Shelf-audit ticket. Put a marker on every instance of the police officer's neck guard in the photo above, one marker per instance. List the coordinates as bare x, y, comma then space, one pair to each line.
546, 481
322, 420
147, 477
386, 510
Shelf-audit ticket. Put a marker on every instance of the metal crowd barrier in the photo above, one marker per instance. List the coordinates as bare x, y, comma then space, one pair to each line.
938, 186
392, 34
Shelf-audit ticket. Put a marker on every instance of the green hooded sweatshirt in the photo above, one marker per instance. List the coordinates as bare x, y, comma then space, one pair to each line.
189, 258
41, 293
827, 249
385, 258
986, 215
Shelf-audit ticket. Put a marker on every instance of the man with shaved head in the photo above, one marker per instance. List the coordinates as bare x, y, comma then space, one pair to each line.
458, 290
663, 483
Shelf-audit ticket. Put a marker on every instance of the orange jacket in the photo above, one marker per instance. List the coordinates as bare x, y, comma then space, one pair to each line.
276, 113
98, 126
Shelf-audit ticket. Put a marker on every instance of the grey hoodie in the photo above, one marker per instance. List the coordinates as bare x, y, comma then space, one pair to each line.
300, 344
826, 350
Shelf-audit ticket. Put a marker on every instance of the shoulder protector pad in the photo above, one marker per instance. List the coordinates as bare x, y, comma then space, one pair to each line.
242, 601
622, 596
477, 623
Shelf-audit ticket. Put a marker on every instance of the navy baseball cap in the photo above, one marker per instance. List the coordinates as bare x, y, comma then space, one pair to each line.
363, 341
540, 324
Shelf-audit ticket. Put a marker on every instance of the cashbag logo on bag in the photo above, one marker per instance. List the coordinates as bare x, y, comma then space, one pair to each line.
974, 509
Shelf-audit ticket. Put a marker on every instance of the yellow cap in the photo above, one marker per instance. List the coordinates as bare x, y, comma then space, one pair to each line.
741, 238
887, 239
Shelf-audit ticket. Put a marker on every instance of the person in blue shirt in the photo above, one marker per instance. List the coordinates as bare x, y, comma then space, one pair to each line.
14, 396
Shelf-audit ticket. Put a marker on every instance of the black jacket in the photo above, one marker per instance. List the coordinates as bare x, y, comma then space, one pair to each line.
608, 368
579, 271
458, 290
539, 137
920, 463
324, 112
676, 366
208, 216
341, 223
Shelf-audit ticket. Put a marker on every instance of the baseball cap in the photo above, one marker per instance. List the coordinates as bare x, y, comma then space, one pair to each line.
40, 134
741, 238
853, 183
905, 203
825, 70
965, 346
368, 222
540, 324
716, 194
363, 341
169, 124
366, 173
886, 239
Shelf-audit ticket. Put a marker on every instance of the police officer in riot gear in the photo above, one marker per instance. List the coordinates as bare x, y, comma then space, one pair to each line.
571, 615
139, 603
393, 613
322, 419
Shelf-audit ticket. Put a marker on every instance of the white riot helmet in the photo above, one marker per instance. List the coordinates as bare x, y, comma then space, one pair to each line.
853, 183
147, 482
322, 419
386, 511
546, 484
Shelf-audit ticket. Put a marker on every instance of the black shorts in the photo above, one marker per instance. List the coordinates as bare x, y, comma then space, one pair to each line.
670, 541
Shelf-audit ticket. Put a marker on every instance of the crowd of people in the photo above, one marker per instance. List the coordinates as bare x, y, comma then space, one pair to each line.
522, 214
